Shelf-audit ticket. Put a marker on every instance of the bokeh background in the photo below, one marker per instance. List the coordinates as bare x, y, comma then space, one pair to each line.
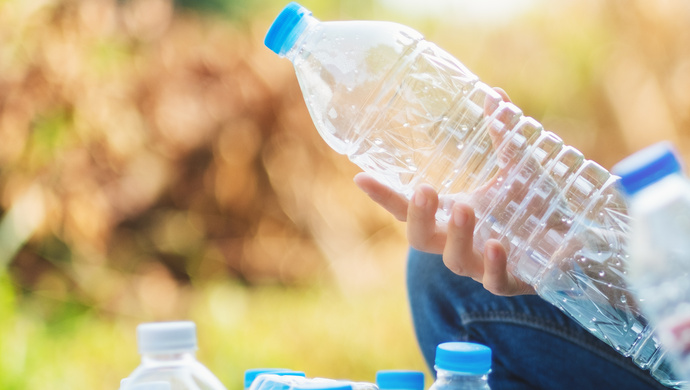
157, 162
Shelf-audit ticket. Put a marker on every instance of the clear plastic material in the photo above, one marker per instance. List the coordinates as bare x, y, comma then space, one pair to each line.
407, 112
168, 356
462, 366
660, 246
151, 386
447, 380
251, 374
270, 381
286, 382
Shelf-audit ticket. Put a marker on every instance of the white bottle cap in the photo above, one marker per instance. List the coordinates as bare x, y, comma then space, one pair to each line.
166, 337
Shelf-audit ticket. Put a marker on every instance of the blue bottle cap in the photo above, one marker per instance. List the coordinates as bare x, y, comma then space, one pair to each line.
290, 373
252, 373
286, 28
463, 357
647, 166
400, 380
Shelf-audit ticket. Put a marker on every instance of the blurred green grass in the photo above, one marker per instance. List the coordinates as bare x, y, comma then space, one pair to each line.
316, 329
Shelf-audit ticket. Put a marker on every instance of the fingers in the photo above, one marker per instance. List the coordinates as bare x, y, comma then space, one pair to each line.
459, 255
494, 99
390, 200
504, 119
422, 231
420, 213
489, 268
504, 94
455, 241
497, 279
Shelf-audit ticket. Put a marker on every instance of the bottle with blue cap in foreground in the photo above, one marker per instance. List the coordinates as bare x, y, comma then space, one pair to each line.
462, 366
276, 380
400, 380
290, 381
168, 356
273, 381
356, 385
659, 266
323, 385
253, 374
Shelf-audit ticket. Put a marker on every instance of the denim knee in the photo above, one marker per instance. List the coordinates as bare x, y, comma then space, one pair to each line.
448, 307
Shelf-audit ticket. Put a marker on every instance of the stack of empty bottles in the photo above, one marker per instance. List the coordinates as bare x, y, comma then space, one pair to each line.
169, 363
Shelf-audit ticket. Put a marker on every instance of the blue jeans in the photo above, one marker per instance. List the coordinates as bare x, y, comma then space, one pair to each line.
534, 345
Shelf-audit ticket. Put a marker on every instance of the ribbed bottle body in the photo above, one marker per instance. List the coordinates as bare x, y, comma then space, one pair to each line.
408, 113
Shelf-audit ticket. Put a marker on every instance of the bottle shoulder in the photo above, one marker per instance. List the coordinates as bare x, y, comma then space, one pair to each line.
353, 73
189, 374
447, 380
365, 34
340, 66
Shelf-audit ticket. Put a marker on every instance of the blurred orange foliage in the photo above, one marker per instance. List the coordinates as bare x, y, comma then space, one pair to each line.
168, 149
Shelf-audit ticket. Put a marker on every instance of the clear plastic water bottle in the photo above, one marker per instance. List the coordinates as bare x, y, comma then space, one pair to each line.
356, 385
659, 266
277, 381
285, 381
168, 355
361, 385
252, 374
273, 378
407, 112
462, 366
322, 385
400, 380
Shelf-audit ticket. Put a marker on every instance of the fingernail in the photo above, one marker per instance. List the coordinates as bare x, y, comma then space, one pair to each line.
459, 217
419, 198
492, 253
363, 188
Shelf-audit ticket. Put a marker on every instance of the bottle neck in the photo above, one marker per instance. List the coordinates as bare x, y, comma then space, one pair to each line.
306, 25
168, 357
451, 379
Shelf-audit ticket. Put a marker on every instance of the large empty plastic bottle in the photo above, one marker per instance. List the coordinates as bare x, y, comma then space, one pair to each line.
660, 246
408, 113
168, 355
